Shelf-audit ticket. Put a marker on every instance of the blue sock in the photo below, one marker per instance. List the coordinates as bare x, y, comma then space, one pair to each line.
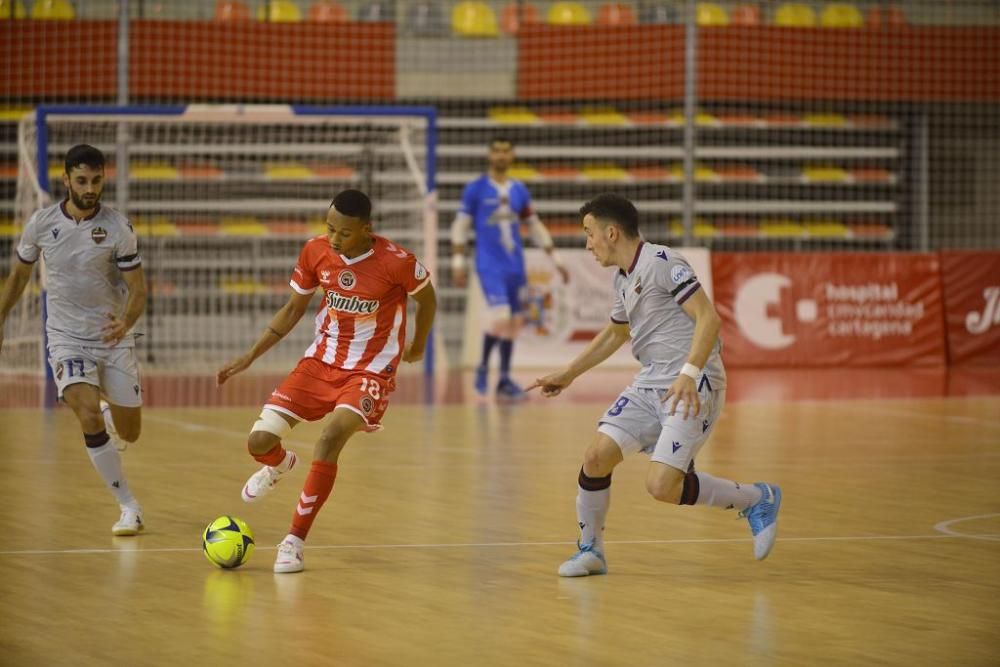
489, 341
506, 350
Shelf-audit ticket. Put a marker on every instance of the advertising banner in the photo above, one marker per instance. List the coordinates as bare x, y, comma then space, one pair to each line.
971, 283
829, 309
560, 319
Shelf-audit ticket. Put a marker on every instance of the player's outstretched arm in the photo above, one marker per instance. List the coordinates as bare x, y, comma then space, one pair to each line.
283, 321
13, 287
600, 348
707, 325
117, 327
426, 300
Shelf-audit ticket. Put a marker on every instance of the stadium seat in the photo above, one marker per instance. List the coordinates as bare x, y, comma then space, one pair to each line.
231, 11
880, 17
18, 7
711, 14
425, 19
795, 15
652, 14
745, 15
616, 13
568, 13
279, 11
472, 18
327, 12
53, 10
841, 15
511, 22
376, 12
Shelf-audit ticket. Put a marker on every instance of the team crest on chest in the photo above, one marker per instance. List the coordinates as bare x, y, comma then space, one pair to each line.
346, 279
98, 234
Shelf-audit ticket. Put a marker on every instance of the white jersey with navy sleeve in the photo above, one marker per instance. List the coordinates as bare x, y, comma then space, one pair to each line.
84, 262
648, 298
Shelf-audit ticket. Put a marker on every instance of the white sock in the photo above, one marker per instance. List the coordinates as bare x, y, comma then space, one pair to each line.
591, 510
109, 466
287, 463
294, 540
725, 493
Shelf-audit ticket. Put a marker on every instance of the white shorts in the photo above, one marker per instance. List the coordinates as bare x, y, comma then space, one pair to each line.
639, 422
114, 371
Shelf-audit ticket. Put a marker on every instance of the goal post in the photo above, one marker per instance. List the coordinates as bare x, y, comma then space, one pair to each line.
222, 198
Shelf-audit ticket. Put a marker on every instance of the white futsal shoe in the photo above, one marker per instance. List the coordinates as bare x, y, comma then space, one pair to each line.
265, 479
289, 558
130, 522
586, 561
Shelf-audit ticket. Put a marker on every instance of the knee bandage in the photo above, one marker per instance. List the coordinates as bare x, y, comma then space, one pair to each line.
271, 422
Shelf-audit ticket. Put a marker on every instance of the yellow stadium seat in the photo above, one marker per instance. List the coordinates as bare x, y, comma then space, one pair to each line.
711, 14
19, 11
474, 19
603, 116
523, 172
568, 13
53, 10
514, 115
292, 171
795, 15
279, 11
841, 15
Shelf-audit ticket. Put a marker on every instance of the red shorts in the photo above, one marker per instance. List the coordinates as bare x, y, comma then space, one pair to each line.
314, 389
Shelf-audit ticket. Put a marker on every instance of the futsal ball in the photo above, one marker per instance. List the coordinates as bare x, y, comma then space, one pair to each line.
227, 542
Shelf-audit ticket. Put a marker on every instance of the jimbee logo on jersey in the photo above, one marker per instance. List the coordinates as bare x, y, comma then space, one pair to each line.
98, 234
347, 279
367, 404
350, 304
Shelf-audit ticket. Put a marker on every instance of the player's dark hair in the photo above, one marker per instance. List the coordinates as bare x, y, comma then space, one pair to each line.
611, 207
84, 154
353, 204
500, 139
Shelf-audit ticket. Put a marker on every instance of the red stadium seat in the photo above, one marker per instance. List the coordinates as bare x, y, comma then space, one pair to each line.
616, 13
327, 12
745, 15
510, 22
231, 11
879, 17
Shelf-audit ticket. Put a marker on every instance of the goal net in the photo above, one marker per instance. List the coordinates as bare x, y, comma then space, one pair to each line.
222, 199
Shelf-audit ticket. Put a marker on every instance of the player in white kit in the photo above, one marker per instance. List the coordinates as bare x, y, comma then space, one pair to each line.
96, 292
670, 408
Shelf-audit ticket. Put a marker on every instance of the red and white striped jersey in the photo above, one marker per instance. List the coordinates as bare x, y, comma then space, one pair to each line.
361, 324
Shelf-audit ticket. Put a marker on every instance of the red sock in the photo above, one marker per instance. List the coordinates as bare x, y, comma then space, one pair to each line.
271, 457
317, 489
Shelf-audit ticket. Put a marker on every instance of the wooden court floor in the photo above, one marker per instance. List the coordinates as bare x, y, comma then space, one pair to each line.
440, 543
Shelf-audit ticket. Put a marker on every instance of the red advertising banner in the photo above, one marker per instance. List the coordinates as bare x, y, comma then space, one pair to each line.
972, 306
829, 309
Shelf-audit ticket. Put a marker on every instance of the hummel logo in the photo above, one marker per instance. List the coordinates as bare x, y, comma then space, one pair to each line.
676, 445
55, 233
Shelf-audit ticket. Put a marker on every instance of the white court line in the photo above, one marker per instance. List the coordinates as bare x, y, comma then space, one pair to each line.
201, 428
466, 545
945, 527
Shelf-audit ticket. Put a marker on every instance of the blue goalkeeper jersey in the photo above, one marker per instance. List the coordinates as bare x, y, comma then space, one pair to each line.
497, 210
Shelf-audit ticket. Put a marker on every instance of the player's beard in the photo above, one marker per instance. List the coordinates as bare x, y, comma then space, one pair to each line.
84, 204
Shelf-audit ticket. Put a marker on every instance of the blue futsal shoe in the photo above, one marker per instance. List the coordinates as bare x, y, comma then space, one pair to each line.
584, 562
508, 390
482, 375
763, 519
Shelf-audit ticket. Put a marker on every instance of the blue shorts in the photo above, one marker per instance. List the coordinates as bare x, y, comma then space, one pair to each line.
503, 289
